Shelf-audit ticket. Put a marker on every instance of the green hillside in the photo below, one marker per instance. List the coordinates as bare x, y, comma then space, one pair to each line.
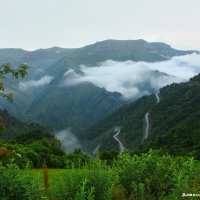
15, 127
174, 122
86, 104
131, 120
78, 107
30, 145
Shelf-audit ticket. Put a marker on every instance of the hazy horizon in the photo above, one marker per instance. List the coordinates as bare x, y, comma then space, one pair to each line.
65, 47
38, 24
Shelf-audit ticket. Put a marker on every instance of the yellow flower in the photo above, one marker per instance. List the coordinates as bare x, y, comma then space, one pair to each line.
3, 151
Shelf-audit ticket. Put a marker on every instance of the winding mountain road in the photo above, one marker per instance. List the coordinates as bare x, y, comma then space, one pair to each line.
117, 131
147, 126
147, 118
157, 97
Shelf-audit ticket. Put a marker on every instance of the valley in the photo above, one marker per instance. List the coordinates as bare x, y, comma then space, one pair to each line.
58, 91
65, 91
89, 124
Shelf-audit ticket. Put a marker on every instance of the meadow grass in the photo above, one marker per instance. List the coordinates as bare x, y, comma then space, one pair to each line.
149, 176
71, 183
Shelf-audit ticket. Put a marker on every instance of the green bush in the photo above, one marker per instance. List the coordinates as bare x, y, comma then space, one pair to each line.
83, 184
154, 176
17, 186
149, 176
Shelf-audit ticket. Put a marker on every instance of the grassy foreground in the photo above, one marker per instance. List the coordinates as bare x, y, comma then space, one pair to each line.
149, 176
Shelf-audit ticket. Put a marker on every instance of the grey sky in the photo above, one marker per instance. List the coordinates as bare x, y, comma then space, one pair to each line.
32, 24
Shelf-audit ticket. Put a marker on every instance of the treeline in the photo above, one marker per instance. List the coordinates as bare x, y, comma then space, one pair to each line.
36, 147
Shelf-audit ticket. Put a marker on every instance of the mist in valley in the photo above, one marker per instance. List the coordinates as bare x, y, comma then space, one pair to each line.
68, 141
132, 78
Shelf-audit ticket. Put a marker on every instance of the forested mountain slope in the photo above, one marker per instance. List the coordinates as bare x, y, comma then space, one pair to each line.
174, 122
43, 97
176, 119
14, 127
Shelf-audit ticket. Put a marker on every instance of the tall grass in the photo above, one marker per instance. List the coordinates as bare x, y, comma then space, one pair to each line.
154, 176
15, 185
149, 176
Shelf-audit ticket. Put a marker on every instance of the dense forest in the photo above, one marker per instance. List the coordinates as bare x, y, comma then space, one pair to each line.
175, 120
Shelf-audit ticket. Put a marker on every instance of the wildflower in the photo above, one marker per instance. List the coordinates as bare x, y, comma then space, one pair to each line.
3, 151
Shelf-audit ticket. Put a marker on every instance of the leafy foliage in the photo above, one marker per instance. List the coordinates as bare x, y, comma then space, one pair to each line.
83, 184
39, 149
34, 153
131, 177
108, 156
16, 73
147, 177
17, 186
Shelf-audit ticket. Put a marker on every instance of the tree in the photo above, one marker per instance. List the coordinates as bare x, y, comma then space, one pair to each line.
6, 69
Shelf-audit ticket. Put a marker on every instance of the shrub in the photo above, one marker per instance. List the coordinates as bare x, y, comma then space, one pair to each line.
16, 186
83, 184
153, 175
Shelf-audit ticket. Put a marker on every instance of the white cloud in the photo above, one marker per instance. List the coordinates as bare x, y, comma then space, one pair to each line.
132, 79
45, 80
68, 141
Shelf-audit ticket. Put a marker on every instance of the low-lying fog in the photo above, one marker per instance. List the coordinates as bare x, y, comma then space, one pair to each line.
68, 141
127, 77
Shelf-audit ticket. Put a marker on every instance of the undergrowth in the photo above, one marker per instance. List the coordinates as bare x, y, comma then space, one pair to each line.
148, 176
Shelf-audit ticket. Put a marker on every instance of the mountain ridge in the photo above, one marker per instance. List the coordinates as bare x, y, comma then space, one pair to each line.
105, 43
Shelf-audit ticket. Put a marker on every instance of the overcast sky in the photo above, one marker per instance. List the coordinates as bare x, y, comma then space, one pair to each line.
32, 24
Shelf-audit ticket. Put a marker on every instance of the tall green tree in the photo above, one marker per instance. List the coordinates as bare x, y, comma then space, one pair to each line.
6, 70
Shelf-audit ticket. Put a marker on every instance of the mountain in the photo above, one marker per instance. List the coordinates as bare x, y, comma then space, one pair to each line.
11, 55
15, 127
77, 107
43, 98
136, 50
174, 124
119, 50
